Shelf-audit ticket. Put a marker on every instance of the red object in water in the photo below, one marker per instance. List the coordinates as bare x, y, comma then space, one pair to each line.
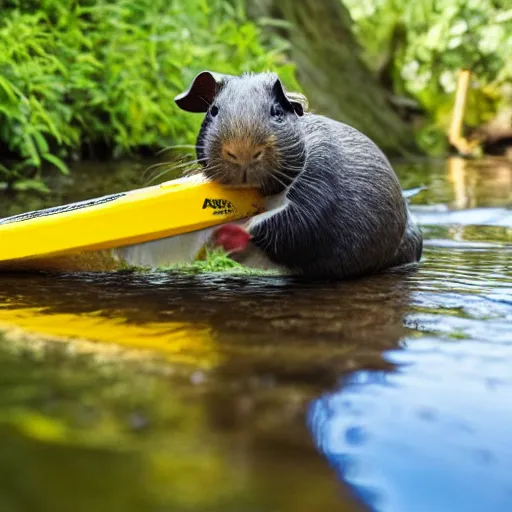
232, 238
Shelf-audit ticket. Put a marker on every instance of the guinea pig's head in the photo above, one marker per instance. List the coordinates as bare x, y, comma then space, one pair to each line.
251, 135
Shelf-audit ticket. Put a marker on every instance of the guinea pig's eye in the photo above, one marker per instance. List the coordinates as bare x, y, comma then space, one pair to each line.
277, 112
214, 110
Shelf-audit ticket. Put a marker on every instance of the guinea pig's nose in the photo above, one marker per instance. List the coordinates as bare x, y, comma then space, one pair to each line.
242, 152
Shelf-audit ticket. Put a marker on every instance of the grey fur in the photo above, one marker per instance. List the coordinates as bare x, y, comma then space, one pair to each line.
346, 215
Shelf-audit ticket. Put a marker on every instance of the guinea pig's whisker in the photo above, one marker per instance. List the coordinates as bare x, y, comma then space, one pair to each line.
295, 169
214, 167
154, 168
172, 165
170, 169
290, 166
280, 172
292, 153
192, 162
216, 172
158, 176
285, 156
293, 145
284, 175
178, 146
193, 171
276, 173
278, 180
161, 174
161, 164
289, 148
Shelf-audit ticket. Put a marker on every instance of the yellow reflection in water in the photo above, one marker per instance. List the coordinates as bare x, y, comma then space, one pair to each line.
477, 181
179, 342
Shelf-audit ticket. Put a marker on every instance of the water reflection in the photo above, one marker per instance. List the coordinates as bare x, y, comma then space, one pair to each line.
231, 324
79, 435
255, 352
433, 435
459, 184
471, 181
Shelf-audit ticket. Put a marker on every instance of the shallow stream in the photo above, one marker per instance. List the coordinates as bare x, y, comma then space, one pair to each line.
162, 392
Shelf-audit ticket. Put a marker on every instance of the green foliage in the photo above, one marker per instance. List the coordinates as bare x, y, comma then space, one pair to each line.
215, 261
429, 41
96, 75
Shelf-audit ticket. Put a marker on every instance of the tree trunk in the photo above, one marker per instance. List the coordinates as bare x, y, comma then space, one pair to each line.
331, 71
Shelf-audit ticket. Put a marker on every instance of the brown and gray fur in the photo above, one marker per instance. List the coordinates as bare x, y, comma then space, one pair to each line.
338, 208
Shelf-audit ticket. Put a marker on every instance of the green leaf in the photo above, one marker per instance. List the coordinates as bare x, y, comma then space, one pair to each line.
31, 150
57, 162
10, 90
26, 185
41, 143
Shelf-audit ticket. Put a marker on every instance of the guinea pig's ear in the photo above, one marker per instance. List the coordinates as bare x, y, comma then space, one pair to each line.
293, 100
201, 93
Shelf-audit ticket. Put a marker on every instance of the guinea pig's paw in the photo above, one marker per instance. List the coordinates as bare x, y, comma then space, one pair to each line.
232, 238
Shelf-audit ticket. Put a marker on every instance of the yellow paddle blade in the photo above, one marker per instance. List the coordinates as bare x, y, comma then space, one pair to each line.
173, 208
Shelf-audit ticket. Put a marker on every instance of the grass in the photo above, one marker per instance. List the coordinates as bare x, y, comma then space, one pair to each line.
98, 78
216, 261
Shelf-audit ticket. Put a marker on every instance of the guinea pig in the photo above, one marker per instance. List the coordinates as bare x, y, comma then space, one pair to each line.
335, 206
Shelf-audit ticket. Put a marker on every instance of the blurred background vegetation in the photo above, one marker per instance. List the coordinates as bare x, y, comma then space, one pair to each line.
96, 78
418, 48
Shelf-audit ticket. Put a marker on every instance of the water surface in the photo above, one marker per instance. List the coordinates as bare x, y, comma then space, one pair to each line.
265, 394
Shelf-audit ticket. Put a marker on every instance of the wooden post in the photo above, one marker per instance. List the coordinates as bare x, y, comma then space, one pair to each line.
455, 134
